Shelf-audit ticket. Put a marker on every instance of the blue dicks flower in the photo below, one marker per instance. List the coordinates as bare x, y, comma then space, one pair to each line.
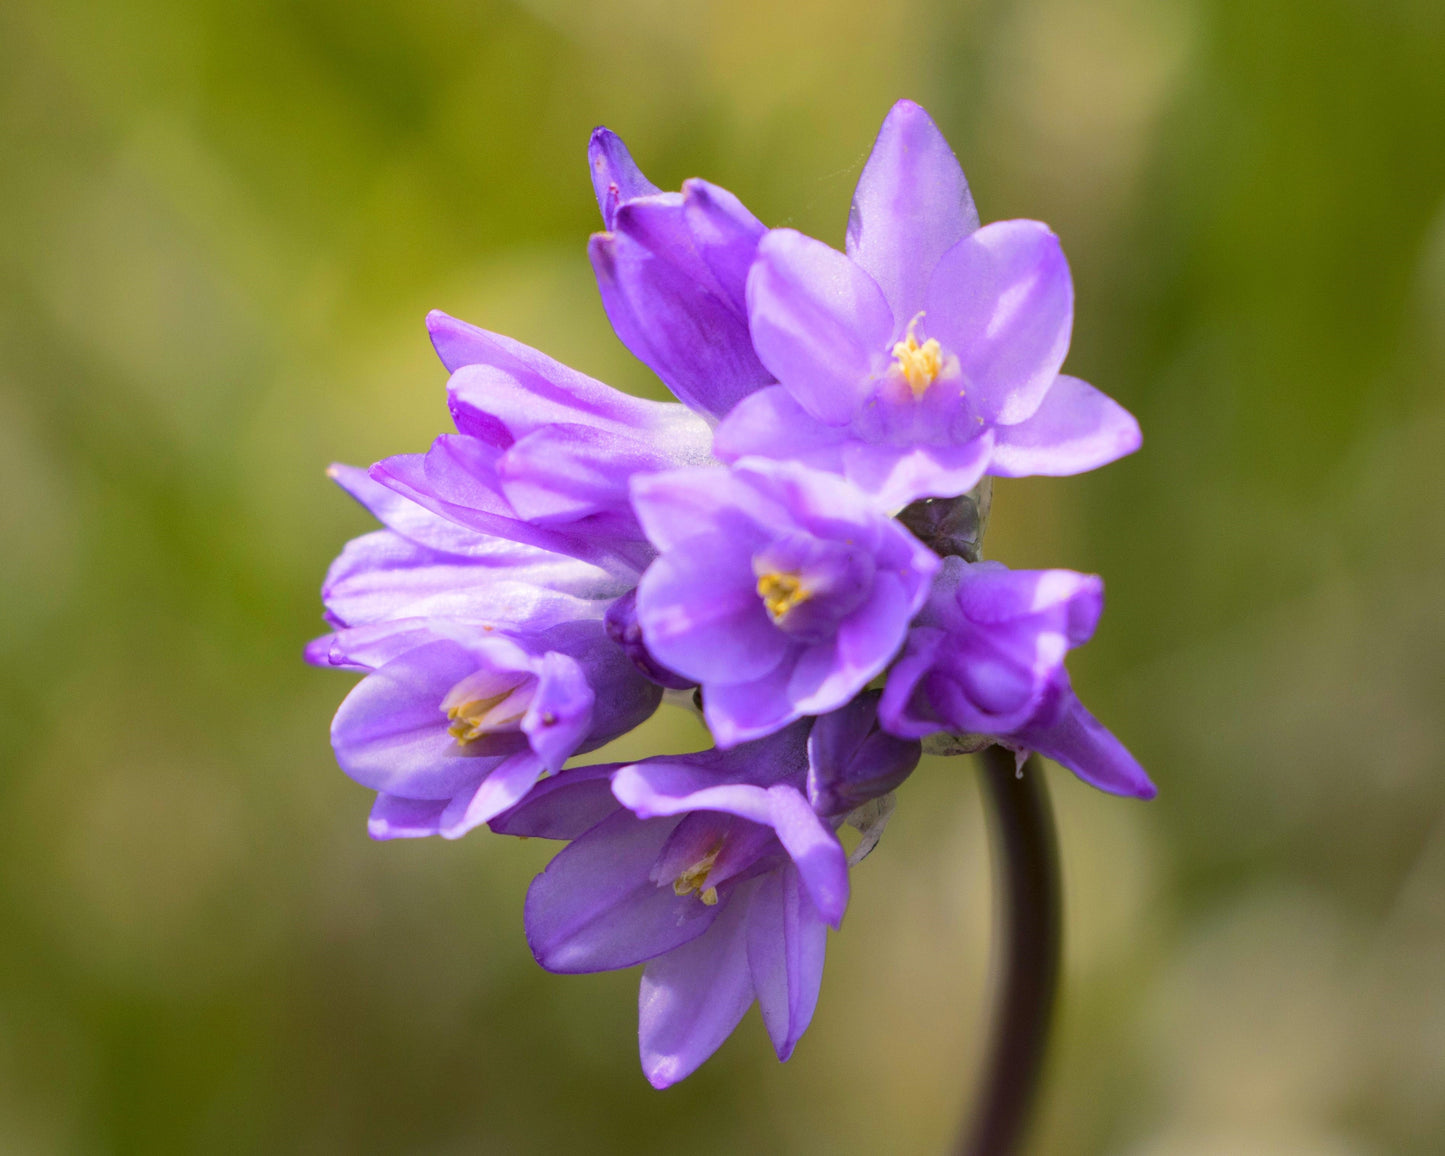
986, 657
459, 725
712, 869
672, 269
780, 589
929, 354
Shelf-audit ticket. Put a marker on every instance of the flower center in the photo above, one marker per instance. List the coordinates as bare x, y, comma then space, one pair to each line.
919, 364
485, 704
694, 878
781, 592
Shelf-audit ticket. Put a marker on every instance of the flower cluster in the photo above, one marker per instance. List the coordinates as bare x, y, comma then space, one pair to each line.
791, 547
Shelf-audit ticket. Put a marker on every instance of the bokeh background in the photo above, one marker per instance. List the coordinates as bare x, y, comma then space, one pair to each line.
220, 227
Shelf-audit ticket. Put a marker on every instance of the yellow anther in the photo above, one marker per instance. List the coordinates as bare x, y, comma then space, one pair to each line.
695, 878
919, 364
781, 592
478, 707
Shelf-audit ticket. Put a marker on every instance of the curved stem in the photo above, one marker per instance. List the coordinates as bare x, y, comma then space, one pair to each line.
1028, 917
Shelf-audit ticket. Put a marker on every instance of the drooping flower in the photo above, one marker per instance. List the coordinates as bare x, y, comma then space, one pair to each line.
712, 869
781, 590
985, 657
930, 353
672, 270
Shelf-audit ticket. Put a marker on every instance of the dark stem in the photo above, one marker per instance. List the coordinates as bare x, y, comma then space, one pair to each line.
1028, 917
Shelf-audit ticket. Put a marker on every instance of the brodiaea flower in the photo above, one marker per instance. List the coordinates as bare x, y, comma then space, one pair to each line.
986, 657
460, 724
780, 589
718, 874
930, 353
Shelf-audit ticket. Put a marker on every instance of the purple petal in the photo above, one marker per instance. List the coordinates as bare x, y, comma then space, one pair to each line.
726, 236
911, 205
814, 848
382, 576
786, 944
771, 424
595, 907
676, 324
560, 714
851, 761
701, 615
394, 817
502, 789
679, 505
1078, 740
624, 629
819, 323
564, 472
745, 711
409, 519
505, 390
390, 733
1076, 428
563, 806
1002, 301
615, 175
898, 474
693, 997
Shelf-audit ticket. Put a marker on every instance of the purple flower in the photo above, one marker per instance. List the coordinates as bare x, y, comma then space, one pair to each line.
672, 269
930, 353
780, 589
718, 874
543, 454
455, 723
986, 657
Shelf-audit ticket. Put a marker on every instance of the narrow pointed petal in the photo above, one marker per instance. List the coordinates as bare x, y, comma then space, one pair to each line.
725, 234
498, 383
1075, 429
1002, 300
676, 324
1082, 743
595, 908
911, 205
615, 175
814, 849
819, 323
692, 998
786, 944
504, 788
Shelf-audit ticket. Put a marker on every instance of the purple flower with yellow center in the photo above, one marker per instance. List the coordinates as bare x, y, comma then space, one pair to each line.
454, 723
781, 590
985, 658
929, 354
672, 270
714, 870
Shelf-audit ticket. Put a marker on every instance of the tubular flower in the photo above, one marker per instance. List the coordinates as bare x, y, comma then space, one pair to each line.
570, 555
929, 353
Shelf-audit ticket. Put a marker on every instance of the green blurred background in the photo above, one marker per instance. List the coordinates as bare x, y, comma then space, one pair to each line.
220, 228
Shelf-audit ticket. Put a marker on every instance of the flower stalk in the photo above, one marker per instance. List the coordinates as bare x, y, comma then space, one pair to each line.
1028, 917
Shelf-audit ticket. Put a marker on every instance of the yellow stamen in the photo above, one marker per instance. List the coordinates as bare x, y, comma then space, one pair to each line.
781, 592
919, 364
695, 878
474, 713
